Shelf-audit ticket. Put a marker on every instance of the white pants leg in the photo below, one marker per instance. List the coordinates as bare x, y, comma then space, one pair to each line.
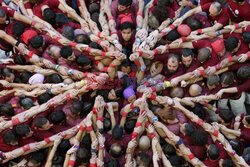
238, 106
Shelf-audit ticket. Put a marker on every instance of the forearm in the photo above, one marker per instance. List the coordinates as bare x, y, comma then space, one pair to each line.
139, 17
216, 27
51, 155
7, 38
22, 18
66, 161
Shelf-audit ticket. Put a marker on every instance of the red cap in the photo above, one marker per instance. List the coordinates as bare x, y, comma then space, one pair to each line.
184, 30
218, 45
28, 35
126, 18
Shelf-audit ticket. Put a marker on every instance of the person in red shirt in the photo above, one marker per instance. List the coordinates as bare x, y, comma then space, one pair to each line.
8, 140
52, 53
41, 127
238, 10
189, 62
126, 35
25, 134
235, 44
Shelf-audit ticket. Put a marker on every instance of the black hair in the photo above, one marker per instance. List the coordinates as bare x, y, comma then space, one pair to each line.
227, 78
87, 107
194, 23
86, 142
95, 17
113, 163
2, 13
129, 126
83, 155
61, 19
168, 149
18, 29
228, 163
83, 61
189, 129
246, 37
57, 161
76, 107
199, 137
203, 54
236, 145
36, 42
104, 93
82, 38
64, 146
6, 72
66, 51
7, 110
43, 98
68, 32
93, 7
231, 43
117, 132
227, 115
118, 92
126, 25
116, 150
176, 160
49, 15
9, 136
243, 72
38, 157
145, 159
25, 76
213, 79
57, 117
125, 2
107, 124
19, 59
95, 45
161, 13
54, 78
22, 130
26, 102
247, 118
172, 35
40, 121
186, 52
213, 152
199, 111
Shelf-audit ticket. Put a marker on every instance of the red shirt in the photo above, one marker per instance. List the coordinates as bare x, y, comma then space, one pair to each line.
222, 18
201, 44
171, 8
71, 24
245, 87
6, 147
9, 13
246, 29
123, 142
245, 132
238, 12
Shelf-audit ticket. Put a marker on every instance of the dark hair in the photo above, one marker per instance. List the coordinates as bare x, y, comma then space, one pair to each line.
161, 13
116, 150
126, 25
189, 129
175, 56
82, 38
117, 132
6, 72
87, 107
218, 6
107, 124
213, 79
49, 16
199, 137
54, 78
38, 157
57, 161
86, 142
19, 59
246, 37
93, 7
168, 149
145, 159
194, 23
236, 145
95, 45
76, 107
247, 118
68, 32
129, 126
7, 110
227, 78
228, 163
64, 146
9, 136
40, 121
203, 54
231, 43
176, 161
172, 35
227, 115
18, 29
243, 72
125, 2
186, 52
25, 76
2, 13
199, 111
113, 163
83, 61
82, 155
95, 17
43, 98
213, 152
61, 19
57, 117
66, 51
36, 42
26, 102
22, 130
104, 93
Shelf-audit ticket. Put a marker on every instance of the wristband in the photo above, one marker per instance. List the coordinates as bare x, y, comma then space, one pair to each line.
137, 63
116, 42
140, 13
90, 33
30, 54
168, 84
124, 114
217, 67
190, 4
51, 103
179, 142
63, 135
163, 34
56, 67
205, 104
87, 49
17, 43
237, 26
94, 110
15, 121
82, 128
200, 122
191, 156
113, 32
230, 59
73, 44
105, 69
48, 91
111, 65
215, 133
99, 34
138, 29
100, 119
71, 163
140, 52
154, 119
143, 68
26, 147
152, 97
248, 54
89, 128
68, 96
232, 153
134, 135
47, 140
156, 51
103, 54
132, 106
147, 124
101, 146
172, 27
153, 89
152, 135
82, 82
85, 74
138, 124
202, 73
184, 39
2, 156
33, 23
218, 33
110, 17
199, 31
99, 41
57, 39
93, 151
168, 47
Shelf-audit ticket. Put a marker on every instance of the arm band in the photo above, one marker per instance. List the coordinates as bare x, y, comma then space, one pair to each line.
153, 89
110, 17
57, 39
82, 128
132, 106
68, 96
99, 34
199, 31
85, 74
152, 135
134, 135
140, 52
71, 163
203, 73
124, 114
199, 122
218, 33
184, 39
230, 59
138, 124
191, 156
56, 67
100, 119
47, 140
179, 142
30, 54
237, 26
215, 133
147, 124
73, 44
156, 51
26, 147
89, 128
103, 54
163, 34
140, 13
51, 103
15, 121
152, 97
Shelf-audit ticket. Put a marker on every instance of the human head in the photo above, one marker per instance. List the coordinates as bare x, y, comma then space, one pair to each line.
219, 47
68, 32
116, 150
176, 92
113, 163
76, 108
168, 149
126, 30
25, 76
117, 132
243, 72
215, 9
115, 94
176, 160
187, 57
166, 114
126, 66
204, 54
67, 53
93, 7
10, 138
64, 146
172, 36
83, 155
199, 111
246, 120
54, 52
172, 64
213, 81
57, 117
195, 90
19, 59
165, 2
226, 163
144, 143
37, 42
184, 30
227, 79
82, 38
61, 19
95, 45
156, 68
83, 62
161, 13
129, 126
124, 5
3, 16
8, 75
43, 98
194, 23
153, 23
187, 129
213, 152
106, 124
232, 44
54, 78
37, 158
143, 159
246, 37
26, 102
49, 16
86, 142
87, 107
18, 29
7, 110
199, 137
42, 123
23, 130
236, 145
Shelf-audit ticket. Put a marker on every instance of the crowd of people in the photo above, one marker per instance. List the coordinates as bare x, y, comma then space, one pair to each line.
124, 83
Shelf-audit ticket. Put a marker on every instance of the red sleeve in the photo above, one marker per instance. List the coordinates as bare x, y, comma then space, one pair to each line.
224, 17
245, 86
74, 25
246, 29
49, 40
53, 3
161, 57
237, 66
201, 44
28, 5
205, 8
9, 11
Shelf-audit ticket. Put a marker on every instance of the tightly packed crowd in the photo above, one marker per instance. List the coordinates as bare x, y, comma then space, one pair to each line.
124, 83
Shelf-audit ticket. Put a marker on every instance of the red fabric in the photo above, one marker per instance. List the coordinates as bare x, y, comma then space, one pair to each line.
9, 13
238, 12
37, 9
245, 87
201, 44
28, 35
218, 46
212, 61
126, 18
184, 30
